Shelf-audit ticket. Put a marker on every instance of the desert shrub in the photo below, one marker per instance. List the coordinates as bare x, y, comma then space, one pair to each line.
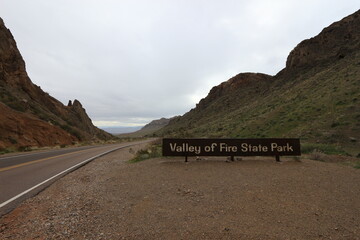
24, 149
317, 156
17, 106
357, 165
12, 140
335, 124
153, 151
72, 131
11, 101
5, 150
323, 148
66, 127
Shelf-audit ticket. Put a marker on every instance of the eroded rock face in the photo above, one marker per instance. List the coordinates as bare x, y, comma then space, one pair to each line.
80, 119
21, 130
334, 42
234, 84
28, 105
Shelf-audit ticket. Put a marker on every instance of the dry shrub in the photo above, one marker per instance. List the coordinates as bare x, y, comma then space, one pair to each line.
318, 155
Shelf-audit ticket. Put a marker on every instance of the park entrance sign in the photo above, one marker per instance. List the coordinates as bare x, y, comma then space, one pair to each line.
231, 147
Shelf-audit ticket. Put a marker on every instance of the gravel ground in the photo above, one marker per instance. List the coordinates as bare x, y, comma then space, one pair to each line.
166, 198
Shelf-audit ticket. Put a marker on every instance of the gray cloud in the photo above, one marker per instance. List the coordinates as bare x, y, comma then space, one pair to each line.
129, 62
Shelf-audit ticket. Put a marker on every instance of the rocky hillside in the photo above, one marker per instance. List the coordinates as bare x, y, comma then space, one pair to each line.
148, 130
156, 124
31, 117
316, 97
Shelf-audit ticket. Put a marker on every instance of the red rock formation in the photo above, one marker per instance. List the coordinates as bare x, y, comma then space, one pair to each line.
32, 117
22, 130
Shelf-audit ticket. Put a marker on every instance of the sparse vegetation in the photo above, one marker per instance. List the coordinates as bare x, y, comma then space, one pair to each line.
24, 149
6, 150
357, 165
297, 158
321, 148
317, 156
11, 101
72, 131
153, 151
12, 140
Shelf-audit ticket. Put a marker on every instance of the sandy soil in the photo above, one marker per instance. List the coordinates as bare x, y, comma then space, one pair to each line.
165, 198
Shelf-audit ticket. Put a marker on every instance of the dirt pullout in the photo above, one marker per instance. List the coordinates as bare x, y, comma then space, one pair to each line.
256, 198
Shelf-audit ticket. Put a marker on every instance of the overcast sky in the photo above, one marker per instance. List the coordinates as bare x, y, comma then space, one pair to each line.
131, 61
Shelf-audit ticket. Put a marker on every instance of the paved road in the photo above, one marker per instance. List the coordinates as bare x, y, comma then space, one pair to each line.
24, 175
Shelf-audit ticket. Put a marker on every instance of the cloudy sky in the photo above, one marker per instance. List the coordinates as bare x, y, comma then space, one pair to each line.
132, 61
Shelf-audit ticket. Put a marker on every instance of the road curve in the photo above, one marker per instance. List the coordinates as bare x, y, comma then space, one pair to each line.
24, 175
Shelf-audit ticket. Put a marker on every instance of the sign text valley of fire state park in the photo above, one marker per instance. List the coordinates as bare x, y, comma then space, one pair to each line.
231, 147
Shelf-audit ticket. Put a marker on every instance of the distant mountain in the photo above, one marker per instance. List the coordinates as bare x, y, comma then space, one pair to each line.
120, 130
315, 97
149, 129
156, 124
31, 117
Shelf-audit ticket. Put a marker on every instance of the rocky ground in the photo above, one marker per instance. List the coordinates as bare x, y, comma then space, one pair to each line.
166, 198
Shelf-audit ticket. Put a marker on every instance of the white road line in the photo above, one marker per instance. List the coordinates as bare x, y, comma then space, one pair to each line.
67, 170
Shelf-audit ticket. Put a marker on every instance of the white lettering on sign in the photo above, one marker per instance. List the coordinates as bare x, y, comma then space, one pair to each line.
185, 147
245, 147
210, 148
226, 148
286, 148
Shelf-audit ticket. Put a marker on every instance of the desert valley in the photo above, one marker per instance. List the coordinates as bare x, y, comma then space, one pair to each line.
129, 190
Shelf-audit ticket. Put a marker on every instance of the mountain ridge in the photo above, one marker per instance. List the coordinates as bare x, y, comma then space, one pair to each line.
149, 129
315, 97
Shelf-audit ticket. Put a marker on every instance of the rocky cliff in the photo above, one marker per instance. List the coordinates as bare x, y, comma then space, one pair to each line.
316, 97
253, 82
30, 116
335, 42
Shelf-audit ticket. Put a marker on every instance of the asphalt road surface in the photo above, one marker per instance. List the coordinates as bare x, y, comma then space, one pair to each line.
24, 175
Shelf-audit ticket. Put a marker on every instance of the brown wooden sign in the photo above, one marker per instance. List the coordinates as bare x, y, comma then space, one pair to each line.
231, 147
